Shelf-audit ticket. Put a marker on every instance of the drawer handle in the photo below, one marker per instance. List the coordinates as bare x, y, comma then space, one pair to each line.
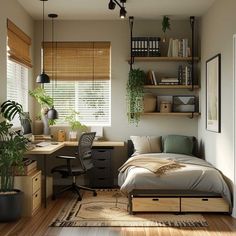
205, 199
36, 179
36, 195
101, 178
101, 168
155, 199
102, 159
101, 150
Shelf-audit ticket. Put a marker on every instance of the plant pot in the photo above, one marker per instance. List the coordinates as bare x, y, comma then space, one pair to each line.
11, 206
38, 127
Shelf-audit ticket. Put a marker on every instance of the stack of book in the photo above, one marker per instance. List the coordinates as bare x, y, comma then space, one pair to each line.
178, 48
169, 81
151, 78
185, 75
145, 46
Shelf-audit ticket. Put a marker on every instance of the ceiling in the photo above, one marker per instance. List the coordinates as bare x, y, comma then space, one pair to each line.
98, 9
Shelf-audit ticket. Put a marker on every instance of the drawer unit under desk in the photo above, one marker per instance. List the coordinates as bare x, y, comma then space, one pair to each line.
101, 175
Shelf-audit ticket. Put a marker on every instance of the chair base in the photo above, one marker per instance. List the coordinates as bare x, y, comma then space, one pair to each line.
76, 189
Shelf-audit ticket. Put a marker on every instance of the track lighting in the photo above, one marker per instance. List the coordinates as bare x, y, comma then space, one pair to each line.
112, 4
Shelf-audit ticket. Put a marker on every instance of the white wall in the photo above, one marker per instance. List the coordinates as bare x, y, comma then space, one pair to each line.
117, 32
217, 29
12, 10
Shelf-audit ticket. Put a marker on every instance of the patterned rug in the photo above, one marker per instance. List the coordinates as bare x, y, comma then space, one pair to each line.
109, 208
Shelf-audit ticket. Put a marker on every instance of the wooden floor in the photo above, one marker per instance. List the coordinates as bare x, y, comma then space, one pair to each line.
38, 225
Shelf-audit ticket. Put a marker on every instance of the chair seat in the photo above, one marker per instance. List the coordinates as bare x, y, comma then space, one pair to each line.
64, 169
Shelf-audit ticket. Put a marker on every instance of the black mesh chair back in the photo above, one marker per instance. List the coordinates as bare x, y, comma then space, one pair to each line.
85, 150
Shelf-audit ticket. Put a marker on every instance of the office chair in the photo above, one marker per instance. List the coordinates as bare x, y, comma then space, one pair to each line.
84, 156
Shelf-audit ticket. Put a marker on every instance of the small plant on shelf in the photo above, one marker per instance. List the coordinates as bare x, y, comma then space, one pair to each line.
165, 26
135, 95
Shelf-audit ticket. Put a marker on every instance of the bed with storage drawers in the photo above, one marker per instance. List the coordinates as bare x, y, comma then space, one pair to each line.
195, 187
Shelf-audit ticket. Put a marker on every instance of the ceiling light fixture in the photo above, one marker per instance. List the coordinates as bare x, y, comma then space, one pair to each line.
52, 112
112, 4
43, 77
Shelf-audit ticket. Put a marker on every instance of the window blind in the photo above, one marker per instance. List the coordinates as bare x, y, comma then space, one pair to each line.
18, 45
91, 99
17, 86
77, 60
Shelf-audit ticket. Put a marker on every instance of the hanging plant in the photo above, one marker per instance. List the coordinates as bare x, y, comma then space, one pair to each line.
165, 26
135, 95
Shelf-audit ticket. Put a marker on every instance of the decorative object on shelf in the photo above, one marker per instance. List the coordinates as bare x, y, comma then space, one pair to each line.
165, 25
61, 135
112, 4
12, 148
131, 24
135, 95
52, 112
43, 77
184, 103
165, 107
75, 125
213, 93
46, 103
149, 102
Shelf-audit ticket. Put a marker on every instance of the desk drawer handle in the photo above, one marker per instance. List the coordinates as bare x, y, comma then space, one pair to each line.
101, 168
101, 178
205, 199
155, 199
36, 195
36, 179
103, 159
101, 151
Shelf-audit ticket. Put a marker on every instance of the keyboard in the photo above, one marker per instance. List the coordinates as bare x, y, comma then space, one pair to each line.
43, 144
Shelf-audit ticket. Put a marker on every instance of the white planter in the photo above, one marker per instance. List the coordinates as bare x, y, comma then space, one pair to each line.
73, 135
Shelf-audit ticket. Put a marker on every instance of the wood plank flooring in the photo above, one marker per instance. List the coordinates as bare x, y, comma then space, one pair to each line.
38, 226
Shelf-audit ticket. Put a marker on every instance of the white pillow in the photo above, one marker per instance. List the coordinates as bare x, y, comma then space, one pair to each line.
146, 144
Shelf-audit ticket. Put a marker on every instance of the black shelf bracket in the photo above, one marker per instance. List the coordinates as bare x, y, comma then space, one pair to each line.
131, 24
192, 21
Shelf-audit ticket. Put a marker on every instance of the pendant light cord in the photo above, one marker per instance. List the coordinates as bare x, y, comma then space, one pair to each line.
43, 38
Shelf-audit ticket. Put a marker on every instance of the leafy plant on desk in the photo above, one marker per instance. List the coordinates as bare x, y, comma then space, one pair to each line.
74, 123
135, 94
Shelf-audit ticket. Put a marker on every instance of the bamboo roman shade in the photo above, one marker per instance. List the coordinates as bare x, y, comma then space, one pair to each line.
78, 60
18, 45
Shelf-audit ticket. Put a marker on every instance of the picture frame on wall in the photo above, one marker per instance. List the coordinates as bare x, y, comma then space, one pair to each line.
213, 92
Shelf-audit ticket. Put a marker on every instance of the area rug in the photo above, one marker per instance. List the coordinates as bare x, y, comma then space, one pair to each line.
110, 208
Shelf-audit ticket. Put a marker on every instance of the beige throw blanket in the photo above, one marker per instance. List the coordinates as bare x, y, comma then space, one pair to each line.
155, 165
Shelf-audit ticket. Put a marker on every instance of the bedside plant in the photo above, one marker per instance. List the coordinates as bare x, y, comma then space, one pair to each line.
12, 149
135, 95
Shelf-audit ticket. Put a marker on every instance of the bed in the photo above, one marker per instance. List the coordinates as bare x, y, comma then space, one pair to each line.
195, 187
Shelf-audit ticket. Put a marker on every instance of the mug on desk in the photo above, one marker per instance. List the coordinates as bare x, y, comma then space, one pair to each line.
61, 135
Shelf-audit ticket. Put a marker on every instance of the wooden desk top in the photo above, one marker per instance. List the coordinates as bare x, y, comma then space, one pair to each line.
54, 147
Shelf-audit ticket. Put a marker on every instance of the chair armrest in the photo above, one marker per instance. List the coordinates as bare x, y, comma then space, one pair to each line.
66, 157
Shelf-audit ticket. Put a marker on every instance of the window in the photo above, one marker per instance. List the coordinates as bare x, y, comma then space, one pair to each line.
82, 73
17, 86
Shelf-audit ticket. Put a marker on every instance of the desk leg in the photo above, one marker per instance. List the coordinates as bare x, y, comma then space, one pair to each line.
45, 179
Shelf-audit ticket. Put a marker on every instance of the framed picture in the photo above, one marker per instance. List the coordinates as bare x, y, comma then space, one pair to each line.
213, 72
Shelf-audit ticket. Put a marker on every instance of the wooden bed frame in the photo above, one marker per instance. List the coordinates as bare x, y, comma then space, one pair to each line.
179, 201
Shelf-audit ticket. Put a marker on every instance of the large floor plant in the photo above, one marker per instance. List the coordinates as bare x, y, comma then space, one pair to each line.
12, 148
135, 94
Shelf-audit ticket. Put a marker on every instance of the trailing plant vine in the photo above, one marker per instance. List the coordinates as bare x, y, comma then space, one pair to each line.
135, 93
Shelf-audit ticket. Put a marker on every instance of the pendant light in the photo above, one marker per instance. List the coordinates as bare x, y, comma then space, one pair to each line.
43, 77
52, 112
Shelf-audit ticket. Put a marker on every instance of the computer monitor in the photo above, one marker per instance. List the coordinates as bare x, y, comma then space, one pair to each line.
25, 121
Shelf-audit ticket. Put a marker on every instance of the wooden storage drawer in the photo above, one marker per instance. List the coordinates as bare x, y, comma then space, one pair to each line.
36, 201
152, 204
101, 172
101, 162
101, 182
204, 205
36, 181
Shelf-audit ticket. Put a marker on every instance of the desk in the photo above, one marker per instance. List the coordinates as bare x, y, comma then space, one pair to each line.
50, 149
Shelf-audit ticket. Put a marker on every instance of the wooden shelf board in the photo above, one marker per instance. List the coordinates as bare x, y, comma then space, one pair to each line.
173, 113
170, 86
164, 59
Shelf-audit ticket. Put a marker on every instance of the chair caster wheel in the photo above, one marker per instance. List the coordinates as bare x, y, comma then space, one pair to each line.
94, 194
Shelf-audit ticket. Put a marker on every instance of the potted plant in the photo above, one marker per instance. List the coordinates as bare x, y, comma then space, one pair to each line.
165, 25
12, 148
46, 103
135, 94
75, 125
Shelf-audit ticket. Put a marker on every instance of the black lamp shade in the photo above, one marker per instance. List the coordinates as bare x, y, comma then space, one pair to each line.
43, 78
52, 113
111, 5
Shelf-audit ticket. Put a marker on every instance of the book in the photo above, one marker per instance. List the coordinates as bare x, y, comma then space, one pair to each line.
154, 78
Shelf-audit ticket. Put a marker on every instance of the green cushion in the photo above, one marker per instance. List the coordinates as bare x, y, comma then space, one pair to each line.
178, 144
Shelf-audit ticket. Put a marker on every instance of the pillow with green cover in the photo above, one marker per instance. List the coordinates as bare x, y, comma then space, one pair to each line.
178, 144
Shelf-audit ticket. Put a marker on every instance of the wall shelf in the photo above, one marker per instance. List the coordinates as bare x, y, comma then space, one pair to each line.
150, 59
189, 114
171, 86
